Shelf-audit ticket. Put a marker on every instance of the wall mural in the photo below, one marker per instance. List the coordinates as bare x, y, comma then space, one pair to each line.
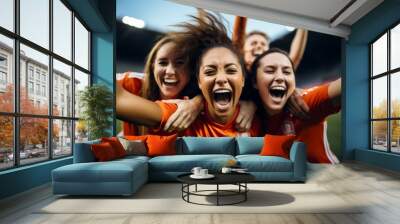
213, 75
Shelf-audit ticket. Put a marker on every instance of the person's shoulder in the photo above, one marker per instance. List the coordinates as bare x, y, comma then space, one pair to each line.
316, 94
131, 81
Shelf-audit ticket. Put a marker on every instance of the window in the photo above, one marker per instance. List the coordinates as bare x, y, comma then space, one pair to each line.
38, 74
47, 75
7, 14
38, 89
3, 72
30, 87
62, 30
44, 91
385, 94
43, 77
3, 61
81, 45
30, 72
81, 81
34, 22
62, 74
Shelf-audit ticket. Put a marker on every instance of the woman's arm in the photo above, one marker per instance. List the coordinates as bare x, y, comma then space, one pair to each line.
136, 109
298, 46
246, 114
239, 32
335, 91
187, 112
297, 106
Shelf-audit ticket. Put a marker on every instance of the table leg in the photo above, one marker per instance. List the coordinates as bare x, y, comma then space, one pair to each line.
188, 189
217, 194
196, 188
245, 191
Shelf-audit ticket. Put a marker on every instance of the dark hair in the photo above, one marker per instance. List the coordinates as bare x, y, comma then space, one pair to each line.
206, 33
256, 62
256, 32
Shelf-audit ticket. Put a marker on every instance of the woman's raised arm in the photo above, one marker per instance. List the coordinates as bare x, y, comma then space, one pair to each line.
335, 91
298, 47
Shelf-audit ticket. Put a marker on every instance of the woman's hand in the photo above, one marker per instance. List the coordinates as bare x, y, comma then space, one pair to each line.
187, 112
297, 105
246, 115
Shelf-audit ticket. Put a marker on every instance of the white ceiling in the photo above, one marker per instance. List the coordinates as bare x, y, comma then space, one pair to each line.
321, 9
325, 16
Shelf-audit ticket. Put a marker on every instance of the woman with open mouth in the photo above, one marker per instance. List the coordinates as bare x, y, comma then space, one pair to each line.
220, 76
257, 42
273, 77
167, 78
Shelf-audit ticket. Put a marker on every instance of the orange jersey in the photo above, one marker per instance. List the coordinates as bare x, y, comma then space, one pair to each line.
204, 126
313, 132
134, 86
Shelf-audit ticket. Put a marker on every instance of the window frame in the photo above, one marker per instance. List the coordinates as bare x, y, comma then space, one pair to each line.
16, 114
388, 74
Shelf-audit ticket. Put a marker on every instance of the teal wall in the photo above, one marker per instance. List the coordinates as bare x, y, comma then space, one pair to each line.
356, 86
103, 52
99, 16
24, 178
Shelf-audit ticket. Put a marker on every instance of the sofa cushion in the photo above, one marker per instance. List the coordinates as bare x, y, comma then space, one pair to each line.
112, 171
249, 145
185, 163
116, 145
132, 159
277, 145
133, 147
103, 152
206, 145
161, 145
257, 163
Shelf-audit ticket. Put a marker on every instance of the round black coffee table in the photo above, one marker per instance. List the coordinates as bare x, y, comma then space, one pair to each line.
238, 179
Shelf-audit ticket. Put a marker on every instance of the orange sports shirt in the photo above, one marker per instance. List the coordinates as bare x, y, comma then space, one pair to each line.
313, 132
134, 86
204, 126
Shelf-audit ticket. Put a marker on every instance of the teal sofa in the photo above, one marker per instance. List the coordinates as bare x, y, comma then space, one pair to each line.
125, 176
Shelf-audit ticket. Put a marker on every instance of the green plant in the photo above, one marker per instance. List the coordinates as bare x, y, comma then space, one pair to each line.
96, 104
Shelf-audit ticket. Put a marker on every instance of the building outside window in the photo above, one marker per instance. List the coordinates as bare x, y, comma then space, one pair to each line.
43, 90
3, 72
3, 78
44, 77
30, 72
385, 94
38, 89
30, 87
57, 125
37, 74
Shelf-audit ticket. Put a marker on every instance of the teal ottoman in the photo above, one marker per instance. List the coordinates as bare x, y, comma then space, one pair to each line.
118, 177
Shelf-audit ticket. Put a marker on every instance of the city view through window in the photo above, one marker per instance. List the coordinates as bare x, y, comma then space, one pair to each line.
385, 91
43, 68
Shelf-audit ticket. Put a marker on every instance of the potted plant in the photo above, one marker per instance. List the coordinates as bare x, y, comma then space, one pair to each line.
96, 104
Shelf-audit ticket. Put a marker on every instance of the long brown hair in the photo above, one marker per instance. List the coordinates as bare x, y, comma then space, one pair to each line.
150, 89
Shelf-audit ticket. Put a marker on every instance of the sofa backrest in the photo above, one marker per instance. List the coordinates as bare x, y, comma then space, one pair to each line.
249, 145
190, 146
83, 153
206, 145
